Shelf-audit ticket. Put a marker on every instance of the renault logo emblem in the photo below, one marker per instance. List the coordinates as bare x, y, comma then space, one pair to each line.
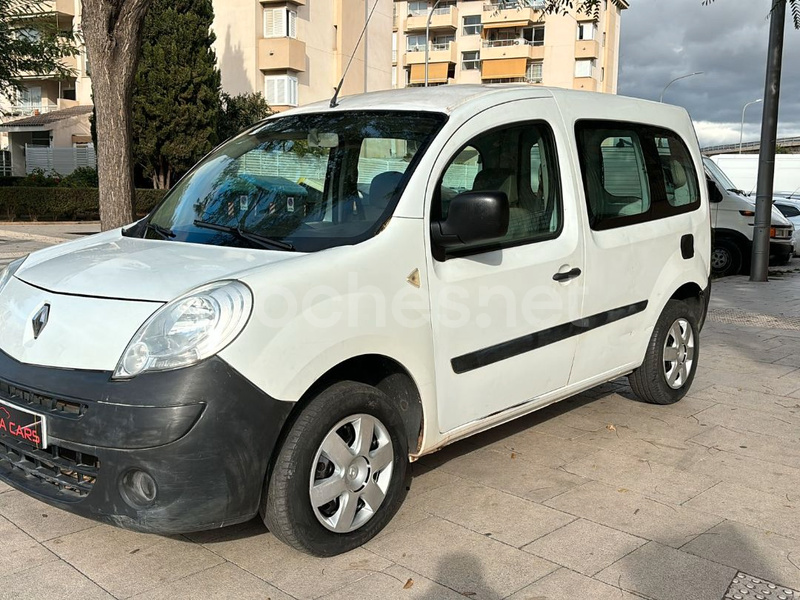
40, 321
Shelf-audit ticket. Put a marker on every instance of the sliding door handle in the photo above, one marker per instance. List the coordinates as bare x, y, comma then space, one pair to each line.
568, 275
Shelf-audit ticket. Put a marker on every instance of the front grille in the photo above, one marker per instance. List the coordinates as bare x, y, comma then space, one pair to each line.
58, 406
69, 472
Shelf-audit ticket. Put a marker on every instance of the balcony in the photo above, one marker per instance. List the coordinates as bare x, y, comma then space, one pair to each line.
438, 53
517, 48
587, 84
508, 14
295, 2
587, 49
281, 53
11, 112
444, 17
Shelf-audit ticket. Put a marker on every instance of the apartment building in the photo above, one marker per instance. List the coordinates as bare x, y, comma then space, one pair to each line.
51, 112
295, 51
505, 41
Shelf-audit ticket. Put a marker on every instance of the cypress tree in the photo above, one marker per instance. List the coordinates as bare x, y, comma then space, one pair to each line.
176, 102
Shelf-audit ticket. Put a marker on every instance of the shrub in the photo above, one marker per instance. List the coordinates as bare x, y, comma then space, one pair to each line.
83, 177
63, 203
40, 178
7, 181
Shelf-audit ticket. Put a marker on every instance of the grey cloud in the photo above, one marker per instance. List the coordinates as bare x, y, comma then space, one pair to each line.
727, 40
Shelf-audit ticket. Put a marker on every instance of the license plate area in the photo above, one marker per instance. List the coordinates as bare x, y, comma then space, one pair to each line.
23, 425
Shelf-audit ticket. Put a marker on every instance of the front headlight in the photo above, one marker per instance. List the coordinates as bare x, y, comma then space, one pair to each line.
187, 330
7, 273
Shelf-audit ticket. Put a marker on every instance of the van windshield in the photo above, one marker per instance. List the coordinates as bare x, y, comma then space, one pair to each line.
303, 182
719, 175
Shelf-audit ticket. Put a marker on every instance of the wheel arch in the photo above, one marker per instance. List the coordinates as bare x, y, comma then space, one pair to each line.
697, 298
383, 373
735, 236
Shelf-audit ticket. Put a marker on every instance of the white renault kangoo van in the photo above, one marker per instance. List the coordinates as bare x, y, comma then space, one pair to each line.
341, 290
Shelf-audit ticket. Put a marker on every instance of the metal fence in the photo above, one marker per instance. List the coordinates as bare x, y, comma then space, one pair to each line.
58, 160
5, 163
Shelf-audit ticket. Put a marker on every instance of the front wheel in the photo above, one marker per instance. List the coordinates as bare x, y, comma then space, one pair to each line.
340, 475
726, 258
671, 359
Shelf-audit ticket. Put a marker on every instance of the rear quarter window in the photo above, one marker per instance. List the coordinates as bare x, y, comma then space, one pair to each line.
634, 173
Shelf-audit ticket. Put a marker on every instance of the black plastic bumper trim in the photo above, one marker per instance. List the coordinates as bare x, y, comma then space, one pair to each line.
212, 469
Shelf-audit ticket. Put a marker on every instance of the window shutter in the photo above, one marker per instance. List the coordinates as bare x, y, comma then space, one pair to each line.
274, 22
292, 23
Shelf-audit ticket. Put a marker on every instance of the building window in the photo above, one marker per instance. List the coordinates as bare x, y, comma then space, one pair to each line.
472, 25
442, 42
470, 61
586, 30
40, 138
394, 76
415, 43
533, 74
417, 9
280, 22
281, 90
534, 35
584, 67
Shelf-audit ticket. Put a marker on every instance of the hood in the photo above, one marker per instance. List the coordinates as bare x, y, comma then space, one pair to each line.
110, 265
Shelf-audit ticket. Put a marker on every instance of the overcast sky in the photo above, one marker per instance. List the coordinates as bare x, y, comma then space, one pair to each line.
727, 40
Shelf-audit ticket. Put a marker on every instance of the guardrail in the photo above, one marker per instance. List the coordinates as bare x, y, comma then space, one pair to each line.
512, 4
514, 42
792, 141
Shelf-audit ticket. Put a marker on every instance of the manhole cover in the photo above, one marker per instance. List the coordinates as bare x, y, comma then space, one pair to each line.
736, 316
747, 587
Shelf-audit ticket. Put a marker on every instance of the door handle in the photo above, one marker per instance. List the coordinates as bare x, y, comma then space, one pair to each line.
568, 275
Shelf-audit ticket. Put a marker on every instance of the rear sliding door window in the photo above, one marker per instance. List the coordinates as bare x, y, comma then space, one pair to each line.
634, 173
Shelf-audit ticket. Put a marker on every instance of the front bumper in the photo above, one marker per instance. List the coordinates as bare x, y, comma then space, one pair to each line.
780, 250
205, 434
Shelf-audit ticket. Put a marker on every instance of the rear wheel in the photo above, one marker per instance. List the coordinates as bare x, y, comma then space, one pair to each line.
341, 473
671, 360
726, 258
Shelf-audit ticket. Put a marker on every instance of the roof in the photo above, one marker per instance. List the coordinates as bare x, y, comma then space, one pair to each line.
469, 98
47, 118
440, 98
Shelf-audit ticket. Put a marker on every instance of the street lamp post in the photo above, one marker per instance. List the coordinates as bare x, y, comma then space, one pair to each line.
428, 38
678, 79
741, 129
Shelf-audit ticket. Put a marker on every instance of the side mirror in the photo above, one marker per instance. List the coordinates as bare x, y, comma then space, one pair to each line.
473, 217
714, 195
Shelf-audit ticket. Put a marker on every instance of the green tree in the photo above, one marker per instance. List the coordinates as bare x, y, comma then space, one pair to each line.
31, 44
237, 113
176, 98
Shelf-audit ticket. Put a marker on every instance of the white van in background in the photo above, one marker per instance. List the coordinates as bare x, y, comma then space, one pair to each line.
733, 218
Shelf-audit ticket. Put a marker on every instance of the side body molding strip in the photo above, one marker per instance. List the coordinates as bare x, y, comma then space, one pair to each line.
533, 341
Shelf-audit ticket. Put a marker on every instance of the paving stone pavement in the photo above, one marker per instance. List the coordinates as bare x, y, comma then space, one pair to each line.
598, 497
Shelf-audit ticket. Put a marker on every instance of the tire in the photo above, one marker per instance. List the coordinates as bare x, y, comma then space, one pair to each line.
726, 258
661, 380
324, 444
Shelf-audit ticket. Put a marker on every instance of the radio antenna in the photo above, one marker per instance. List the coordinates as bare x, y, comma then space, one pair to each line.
335, 99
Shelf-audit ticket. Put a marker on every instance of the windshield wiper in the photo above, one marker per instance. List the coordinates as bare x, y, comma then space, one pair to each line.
263, 241
162, 231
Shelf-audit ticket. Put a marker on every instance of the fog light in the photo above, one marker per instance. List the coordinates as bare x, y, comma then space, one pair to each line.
138, 489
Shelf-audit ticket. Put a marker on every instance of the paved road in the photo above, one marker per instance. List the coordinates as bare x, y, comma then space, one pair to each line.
599, 497
17, 240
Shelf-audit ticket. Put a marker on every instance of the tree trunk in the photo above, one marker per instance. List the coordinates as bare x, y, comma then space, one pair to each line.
112, 31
